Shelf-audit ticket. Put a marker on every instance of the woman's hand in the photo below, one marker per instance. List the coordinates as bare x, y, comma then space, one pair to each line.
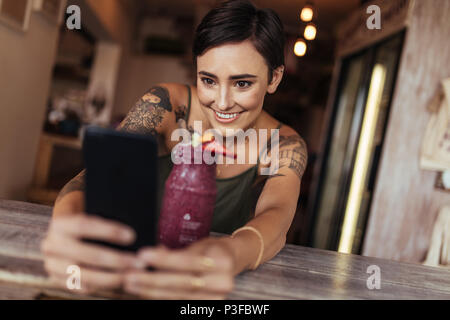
203, 270
99, 265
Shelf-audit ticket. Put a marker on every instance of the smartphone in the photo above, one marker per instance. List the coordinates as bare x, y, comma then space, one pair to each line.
121, 181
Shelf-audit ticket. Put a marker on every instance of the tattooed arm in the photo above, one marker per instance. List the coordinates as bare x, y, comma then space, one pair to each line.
277, 203
149, 113
292, 154
152, 114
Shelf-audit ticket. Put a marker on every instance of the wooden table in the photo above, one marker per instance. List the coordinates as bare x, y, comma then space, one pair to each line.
295, 273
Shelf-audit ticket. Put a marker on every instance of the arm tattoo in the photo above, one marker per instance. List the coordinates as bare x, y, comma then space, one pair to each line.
182, 124
148, 112
76, 184
180, 113
191, 129
144, 118
292, 154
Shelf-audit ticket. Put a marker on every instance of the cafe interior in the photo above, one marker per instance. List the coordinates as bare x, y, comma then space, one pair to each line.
366, 84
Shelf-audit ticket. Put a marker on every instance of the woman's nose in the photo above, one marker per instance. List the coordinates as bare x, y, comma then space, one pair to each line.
224, 99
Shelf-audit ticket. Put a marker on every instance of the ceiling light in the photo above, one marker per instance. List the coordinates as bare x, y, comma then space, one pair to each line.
300, 48
307, 13
310, 31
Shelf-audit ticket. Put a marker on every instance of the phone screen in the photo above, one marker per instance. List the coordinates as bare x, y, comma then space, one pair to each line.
121, 181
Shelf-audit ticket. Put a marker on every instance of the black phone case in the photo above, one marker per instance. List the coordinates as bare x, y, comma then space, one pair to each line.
121, 181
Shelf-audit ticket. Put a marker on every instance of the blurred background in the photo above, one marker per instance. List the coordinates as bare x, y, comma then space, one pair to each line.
370, 103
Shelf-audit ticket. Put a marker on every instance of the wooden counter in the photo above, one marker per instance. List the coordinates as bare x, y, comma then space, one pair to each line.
295, 273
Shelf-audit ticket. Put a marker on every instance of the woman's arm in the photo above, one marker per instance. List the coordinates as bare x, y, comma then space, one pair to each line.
276, 206
70, 199
206, 269
99, 265
152, 114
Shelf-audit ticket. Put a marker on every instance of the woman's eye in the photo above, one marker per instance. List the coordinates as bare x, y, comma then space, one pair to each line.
243, 84
208, 81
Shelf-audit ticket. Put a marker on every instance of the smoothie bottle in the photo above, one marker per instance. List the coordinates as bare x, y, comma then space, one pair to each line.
189, 198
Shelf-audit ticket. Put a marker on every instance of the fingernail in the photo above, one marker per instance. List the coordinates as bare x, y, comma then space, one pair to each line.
139, 264
148, 255
127, 235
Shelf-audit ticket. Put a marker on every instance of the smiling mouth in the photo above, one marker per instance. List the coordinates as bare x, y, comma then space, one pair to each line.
226, 117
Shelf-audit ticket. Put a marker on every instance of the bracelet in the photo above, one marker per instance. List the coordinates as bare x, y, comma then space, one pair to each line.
261, 251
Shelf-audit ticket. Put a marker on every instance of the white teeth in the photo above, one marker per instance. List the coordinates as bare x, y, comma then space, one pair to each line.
227, 115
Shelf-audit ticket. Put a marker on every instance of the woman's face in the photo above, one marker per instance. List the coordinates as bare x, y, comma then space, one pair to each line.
232, 81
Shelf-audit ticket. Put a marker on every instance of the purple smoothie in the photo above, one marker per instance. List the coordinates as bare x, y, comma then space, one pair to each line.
189, 200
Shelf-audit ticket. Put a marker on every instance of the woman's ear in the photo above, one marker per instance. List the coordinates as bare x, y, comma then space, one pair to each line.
277, 75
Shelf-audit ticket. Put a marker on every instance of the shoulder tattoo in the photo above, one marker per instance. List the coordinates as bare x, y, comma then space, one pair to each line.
292, 154
180, 113
148, 112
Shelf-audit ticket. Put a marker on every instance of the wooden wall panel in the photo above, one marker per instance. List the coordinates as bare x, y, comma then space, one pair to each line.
405, 203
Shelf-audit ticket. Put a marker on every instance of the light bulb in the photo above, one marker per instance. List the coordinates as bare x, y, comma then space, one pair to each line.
307, 13
310, 32
300, 48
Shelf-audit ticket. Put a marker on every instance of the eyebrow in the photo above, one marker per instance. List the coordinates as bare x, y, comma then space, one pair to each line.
235, 77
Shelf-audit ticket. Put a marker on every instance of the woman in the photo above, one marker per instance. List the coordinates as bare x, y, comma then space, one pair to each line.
238, 52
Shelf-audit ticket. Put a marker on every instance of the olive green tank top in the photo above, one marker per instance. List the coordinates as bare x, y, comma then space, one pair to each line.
233, 201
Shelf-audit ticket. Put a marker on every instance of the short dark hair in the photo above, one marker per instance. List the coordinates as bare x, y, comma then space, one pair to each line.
236, 21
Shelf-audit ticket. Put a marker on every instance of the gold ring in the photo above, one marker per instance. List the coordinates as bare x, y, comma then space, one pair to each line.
198, 283
208, 263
